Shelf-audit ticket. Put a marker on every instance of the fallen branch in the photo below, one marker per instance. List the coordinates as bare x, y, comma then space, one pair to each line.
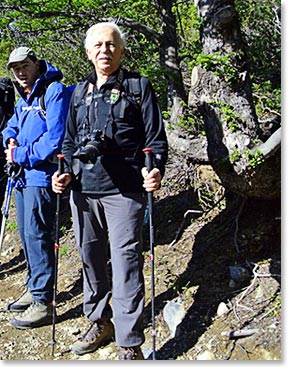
203, 212
177, 236
271, 145
235, 334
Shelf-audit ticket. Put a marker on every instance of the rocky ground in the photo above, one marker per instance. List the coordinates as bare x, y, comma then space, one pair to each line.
217, 279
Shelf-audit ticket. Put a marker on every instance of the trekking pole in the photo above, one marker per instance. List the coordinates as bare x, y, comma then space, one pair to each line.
149, 164
56, 249
13, 172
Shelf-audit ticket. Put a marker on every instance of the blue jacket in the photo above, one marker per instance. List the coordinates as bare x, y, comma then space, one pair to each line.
39, 138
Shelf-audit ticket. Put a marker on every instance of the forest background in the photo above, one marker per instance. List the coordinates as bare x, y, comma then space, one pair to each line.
215, 65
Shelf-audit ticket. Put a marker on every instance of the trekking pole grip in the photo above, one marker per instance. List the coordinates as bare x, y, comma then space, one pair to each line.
148, 154
149, 165
60, 157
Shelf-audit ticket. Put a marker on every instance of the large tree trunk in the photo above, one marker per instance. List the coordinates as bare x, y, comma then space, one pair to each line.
221, 91
169, 59
167, 42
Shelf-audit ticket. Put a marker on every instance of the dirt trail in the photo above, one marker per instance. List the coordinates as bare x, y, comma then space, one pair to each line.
196, 268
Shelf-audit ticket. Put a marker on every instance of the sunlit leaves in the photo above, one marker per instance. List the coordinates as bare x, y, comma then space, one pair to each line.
55, 29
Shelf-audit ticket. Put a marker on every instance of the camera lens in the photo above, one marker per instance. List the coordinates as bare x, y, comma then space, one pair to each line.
91, 147
90, 152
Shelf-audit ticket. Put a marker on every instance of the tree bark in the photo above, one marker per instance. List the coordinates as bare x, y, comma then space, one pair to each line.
169, 59
167, 42
221, 91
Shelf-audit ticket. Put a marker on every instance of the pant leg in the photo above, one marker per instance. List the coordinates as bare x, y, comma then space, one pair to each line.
39, 228
124, 215
90, 230
19, 201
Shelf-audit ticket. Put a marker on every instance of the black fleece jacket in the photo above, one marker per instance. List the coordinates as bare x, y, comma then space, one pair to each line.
126, 126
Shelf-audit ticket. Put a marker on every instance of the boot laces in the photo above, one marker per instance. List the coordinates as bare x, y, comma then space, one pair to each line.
33, 305
128, 353
92, 333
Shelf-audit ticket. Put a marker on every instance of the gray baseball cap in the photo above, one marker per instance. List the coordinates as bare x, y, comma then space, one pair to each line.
20, 54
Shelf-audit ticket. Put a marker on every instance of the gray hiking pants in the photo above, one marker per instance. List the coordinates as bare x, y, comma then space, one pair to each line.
99, 220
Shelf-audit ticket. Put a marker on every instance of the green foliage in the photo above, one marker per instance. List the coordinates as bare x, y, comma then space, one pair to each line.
11, 226
188, 27
266, 99
220, 65
235, 156
188, 123
166, 115
63, 230
261, 30
254, 159
231, 117
63, 250
156, 77
191, 121
228, 115
261, 27
5, 47
56, 31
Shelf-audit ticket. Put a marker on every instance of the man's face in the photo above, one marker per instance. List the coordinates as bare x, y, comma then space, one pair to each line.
105, 51
26, 72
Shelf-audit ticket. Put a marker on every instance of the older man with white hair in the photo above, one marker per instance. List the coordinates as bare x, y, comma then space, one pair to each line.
114, 114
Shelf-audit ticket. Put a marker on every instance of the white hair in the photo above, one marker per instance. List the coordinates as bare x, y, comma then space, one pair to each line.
96, 27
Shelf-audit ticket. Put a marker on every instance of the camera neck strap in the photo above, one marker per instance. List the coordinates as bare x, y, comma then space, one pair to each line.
88, 101
91, 96
116, 90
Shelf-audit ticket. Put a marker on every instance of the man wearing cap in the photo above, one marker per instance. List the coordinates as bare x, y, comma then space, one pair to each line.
31, 140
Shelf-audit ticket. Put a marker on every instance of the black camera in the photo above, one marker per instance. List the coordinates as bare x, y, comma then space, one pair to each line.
93, 146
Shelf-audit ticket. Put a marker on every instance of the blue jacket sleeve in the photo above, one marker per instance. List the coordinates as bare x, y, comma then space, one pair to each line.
33, 151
